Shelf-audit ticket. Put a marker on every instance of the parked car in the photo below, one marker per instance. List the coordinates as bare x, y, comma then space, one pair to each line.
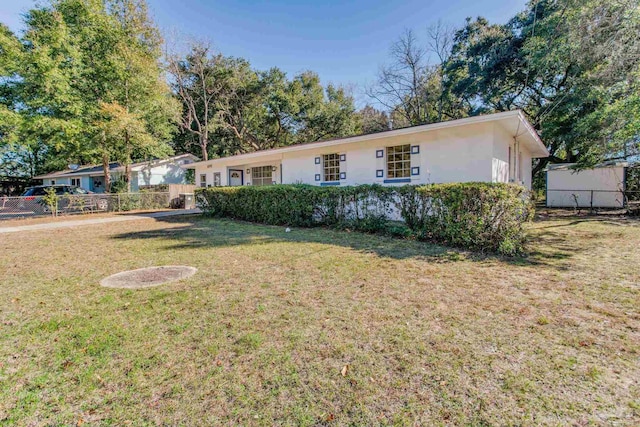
77, 199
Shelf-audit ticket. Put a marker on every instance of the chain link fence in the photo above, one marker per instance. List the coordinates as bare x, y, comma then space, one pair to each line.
68, 204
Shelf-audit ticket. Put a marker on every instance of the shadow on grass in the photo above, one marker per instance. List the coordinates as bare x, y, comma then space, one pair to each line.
545, 248
198, 232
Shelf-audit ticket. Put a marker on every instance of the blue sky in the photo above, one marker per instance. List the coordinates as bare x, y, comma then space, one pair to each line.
345, 42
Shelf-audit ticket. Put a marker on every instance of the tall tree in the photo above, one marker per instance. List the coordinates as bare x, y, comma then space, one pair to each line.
198, 81
143, 110
79, 56
230, 108
411, 85
571, 65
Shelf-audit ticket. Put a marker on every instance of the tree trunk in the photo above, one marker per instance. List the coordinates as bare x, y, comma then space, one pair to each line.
105, 171
203, 145
127, 176
127, 166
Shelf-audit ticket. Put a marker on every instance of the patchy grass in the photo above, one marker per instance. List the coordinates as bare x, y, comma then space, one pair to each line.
318, 327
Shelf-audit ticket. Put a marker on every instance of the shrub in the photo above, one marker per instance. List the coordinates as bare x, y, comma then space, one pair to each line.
50, 200
118, 186
478, 216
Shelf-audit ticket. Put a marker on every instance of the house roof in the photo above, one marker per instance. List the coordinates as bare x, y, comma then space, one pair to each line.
113, 167
569, 166
514, 121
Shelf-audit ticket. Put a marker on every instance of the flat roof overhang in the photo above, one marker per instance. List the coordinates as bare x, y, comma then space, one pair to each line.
513, 121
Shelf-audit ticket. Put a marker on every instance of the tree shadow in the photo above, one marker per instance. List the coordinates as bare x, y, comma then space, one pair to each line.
547, 248
189, 232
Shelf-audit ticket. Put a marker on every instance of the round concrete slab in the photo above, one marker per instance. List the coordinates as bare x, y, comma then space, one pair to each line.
148, 277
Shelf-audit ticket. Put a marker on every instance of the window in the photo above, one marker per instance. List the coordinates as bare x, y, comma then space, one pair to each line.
75, 182
216, 179
53, 182
203, 180
399, 161
331, 167
261, 175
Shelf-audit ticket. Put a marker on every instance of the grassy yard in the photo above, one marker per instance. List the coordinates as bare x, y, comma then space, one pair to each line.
318, 327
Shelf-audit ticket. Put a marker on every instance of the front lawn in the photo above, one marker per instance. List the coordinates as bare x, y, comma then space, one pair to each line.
319, 327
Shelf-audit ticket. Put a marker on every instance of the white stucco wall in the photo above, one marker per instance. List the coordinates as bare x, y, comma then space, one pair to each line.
446, 155
505, 150
568, 188
84, 181
477, 152
167, 173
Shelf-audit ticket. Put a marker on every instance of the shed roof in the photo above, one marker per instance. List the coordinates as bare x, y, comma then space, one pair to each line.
570, 166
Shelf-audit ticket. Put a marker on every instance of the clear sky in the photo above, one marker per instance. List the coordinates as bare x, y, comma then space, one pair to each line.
345, 42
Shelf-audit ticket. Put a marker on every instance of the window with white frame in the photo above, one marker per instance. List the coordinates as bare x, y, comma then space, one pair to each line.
399, 161
203, 180
75, 181
331, 167
216, 179
262, 175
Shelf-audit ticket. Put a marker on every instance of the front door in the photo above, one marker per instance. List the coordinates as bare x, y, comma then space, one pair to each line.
97, 184
235, 177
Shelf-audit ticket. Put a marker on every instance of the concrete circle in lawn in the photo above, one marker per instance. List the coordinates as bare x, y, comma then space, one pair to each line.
148, 277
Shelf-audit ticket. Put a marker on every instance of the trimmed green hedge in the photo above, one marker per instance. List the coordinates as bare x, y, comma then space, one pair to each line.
479, 216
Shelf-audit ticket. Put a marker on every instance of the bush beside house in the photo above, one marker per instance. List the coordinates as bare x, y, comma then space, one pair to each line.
479, 216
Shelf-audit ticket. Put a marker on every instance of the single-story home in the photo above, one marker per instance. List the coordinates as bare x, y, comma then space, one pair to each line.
153, 172
490, 148
602, 186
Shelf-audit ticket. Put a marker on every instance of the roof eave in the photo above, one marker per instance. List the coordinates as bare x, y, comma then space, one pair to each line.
369, 137
540, 150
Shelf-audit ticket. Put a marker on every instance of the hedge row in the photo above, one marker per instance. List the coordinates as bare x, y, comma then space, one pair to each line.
479, 216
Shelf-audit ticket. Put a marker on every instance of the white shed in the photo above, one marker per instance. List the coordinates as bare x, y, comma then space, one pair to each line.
600, 187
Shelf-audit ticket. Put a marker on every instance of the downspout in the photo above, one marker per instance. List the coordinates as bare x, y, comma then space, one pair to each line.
516, 153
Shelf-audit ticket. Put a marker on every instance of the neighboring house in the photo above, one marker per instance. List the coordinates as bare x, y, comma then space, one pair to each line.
153, 172
600, 187
490, 148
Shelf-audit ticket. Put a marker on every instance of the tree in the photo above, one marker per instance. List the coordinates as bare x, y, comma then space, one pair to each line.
241, 109
570, 65
197, 81
79, 56
143, 110
411, 86
371, 120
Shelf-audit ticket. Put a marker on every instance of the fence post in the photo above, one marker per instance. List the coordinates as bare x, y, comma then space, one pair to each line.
118, 201
591, 203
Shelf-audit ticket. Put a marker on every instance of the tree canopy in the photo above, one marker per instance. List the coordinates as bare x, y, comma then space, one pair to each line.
87, 82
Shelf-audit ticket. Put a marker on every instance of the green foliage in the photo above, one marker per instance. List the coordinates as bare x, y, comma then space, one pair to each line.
86, 84
470, 215
572, 65
118, 186
143, 200
229, 108
50, 199
479, 216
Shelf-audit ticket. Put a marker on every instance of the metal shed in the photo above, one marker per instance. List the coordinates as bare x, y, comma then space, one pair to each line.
600, 187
